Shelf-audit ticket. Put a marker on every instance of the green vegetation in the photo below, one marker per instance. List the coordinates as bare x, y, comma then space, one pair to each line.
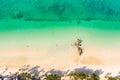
78, 75
112, 78
52, 77
94, 77
26, 75
83, 76
33, 73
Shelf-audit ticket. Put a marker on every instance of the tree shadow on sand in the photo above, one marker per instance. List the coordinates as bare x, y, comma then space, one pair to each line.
34, 70
83, 69
39, 72
89, 71
53, 71
4, 71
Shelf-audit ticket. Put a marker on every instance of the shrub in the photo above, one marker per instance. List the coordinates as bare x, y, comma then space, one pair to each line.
112, 78
78, 75
94, 76
53, 77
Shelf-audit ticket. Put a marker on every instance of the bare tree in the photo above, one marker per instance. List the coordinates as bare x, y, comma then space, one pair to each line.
78, 45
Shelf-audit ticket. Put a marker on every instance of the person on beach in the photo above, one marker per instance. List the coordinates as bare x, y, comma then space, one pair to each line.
78, 45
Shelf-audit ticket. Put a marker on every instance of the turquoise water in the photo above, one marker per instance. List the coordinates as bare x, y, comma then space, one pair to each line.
60, 9
25, 11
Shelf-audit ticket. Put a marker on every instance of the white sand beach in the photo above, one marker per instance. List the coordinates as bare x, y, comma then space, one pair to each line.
51, 45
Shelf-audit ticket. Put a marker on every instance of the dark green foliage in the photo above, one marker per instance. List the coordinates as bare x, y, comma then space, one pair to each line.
82, 75
78, 75
25, 75
112, 78
93, 76
53, 77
